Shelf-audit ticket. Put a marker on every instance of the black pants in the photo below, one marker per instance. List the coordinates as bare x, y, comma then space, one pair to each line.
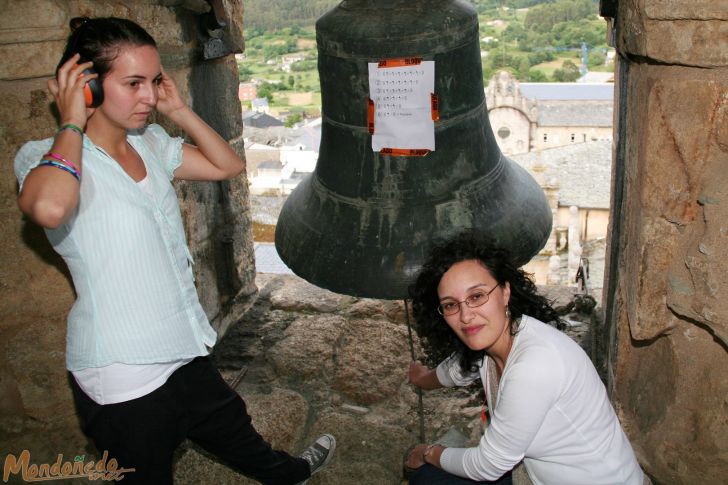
431, 475
194, 403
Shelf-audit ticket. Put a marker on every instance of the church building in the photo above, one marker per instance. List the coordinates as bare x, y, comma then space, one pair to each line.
529, 117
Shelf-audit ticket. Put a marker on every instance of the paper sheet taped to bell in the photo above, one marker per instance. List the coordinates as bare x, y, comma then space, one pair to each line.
402, 97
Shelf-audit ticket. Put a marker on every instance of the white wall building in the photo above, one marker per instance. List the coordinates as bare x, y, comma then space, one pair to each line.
278, 169
301, 155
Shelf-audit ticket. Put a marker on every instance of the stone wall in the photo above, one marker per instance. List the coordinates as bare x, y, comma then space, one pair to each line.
36, 410
667, 289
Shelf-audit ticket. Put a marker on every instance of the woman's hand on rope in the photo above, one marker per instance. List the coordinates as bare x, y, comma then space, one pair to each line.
416, 457
417, 371
422, 377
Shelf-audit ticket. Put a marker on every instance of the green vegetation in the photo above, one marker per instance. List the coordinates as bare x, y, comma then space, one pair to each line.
293, 119
526, 37
268, 15
537, 40
568, 73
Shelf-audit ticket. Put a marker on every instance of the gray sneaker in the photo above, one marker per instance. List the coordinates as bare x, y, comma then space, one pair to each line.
319, 454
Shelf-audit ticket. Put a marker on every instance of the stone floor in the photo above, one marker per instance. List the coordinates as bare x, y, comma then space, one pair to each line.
308, 361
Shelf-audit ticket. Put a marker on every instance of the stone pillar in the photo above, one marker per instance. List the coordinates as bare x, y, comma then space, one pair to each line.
554, 275
666, 294
551, 189
574, 243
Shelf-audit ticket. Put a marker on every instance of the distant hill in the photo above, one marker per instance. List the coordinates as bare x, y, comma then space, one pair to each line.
269, 15
537, 40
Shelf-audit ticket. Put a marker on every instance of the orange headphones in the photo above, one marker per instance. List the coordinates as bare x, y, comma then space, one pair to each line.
93, 91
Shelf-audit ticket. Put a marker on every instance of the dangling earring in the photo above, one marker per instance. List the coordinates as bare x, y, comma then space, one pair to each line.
508, 314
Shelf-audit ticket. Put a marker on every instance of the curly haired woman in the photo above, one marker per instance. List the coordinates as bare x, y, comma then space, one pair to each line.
481, 316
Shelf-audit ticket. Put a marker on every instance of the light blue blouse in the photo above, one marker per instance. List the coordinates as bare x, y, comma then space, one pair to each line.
128, 257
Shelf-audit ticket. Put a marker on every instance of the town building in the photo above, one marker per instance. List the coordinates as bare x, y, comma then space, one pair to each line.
274, 178
247, 91
260, 105
302, 153
278, 158
258, 119
534, 116
288, 60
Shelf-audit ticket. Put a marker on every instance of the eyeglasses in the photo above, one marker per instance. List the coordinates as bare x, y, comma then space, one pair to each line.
478, 298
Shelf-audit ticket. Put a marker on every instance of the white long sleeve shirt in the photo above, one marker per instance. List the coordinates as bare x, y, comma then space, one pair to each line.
551, 411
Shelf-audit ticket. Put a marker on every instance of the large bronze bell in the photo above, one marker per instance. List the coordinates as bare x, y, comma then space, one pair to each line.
361, 224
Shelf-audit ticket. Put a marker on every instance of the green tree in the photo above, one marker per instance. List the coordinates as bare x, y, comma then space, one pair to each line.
545, 16
537, 76
265, 90
271, 51
303, 66
534, 41
574, 33
244, 73
291, 81
251, 33
523, 68
541, 56
293, 119
513, 32
596, 58
502, 58
279, 14
568, 73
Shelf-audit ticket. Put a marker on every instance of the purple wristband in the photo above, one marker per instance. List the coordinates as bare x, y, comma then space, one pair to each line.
53, 163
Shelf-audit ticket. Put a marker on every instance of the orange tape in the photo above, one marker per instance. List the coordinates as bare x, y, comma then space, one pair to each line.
370, 116
435, 106
404, 152
401, 62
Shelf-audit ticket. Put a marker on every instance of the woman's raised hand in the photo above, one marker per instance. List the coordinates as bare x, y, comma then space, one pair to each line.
169, 100
212, 158
67, 89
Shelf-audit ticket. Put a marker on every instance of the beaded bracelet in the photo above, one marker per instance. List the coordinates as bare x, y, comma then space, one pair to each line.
72, 127
52, 163
59, 158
